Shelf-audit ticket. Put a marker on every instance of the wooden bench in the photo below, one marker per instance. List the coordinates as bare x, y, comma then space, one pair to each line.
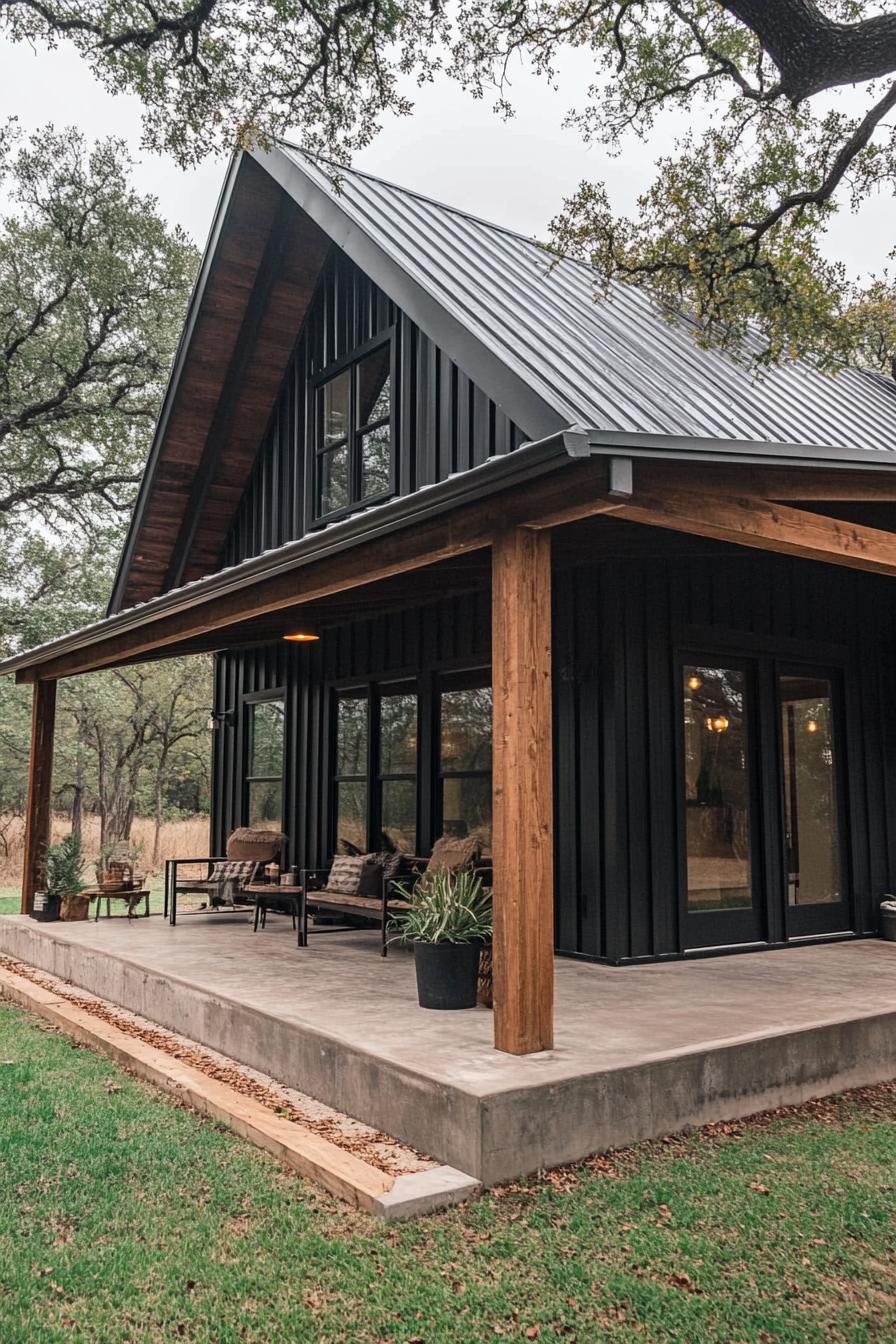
378, 908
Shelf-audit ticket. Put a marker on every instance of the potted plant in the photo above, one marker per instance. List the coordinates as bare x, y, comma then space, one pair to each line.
448, 921
65, 865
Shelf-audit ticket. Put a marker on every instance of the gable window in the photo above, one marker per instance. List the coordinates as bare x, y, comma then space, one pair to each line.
264, 776
353, 448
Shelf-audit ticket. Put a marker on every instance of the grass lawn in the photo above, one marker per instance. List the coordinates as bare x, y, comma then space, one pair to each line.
125, 1219
11, 900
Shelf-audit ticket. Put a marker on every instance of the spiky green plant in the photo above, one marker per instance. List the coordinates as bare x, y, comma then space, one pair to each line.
444, 907
65, 864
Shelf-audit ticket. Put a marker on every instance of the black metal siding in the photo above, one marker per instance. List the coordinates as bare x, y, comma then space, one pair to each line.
617, 626
443, 424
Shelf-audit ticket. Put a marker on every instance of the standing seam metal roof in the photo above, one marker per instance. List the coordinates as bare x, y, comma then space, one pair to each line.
610, 363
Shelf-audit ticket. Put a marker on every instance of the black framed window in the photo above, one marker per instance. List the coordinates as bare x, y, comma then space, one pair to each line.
264, 773
465, 761
398, 721
353, 434
351, 791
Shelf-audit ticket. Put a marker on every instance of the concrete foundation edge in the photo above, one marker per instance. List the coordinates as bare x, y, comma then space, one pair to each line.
500, 1136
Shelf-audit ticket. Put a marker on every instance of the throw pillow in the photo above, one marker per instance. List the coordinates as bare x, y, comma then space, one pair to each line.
453, 852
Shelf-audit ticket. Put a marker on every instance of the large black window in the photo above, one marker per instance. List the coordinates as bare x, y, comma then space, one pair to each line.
350, 775
264, 775
465, 762
353, 435
398, 769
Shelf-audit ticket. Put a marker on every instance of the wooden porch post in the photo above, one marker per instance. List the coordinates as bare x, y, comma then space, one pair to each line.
40, 775
523, 792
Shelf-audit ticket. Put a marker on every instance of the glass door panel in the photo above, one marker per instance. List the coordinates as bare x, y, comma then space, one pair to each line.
720, 879
814, 869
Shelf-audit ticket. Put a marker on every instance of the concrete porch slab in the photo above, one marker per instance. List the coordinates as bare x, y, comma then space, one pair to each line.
640, 1051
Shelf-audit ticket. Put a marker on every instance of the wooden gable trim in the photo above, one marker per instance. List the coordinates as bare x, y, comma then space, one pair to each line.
228, 328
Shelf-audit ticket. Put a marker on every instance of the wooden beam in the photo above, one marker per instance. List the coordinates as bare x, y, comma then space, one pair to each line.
523, 792
40, 776
768, 526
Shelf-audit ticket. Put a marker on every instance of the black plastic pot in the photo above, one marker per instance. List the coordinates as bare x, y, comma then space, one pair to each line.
45, 906
888, 919
447, 974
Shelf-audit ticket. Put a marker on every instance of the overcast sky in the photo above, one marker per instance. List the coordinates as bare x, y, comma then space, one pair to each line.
453, 147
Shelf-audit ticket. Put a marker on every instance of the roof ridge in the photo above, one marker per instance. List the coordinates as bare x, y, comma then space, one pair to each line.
422, 196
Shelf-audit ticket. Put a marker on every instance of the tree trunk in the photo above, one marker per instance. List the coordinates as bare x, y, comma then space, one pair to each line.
77, 813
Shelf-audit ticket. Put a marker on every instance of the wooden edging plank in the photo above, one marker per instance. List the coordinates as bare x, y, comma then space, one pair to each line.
338, 1171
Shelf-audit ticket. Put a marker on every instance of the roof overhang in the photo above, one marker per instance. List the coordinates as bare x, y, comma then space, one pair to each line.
565, 475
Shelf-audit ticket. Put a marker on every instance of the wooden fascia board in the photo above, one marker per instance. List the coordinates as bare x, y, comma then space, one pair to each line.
252, 319
144, 493
843, 485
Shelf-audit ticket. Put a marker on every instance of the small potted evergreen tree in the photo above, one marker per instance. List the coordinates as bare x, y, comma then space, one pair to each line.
448, 921
65, 866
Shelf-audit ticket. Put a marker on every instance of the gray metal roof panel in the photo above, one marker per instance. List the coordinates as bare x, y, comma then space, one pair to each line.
611, 363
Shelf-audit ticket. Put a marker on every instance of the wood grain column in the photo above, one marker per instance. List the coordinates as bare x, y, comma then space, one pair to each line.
40, 776
523, 792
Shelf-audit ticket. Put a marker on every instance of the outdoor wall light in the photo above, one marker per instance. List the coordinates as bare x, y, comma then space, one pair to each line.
219, 718
301, 637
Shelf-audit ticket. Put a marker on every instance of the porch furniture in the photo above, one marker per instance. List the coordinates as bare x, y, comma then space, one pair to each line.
377, 897
227, 876
282, 899
132, 899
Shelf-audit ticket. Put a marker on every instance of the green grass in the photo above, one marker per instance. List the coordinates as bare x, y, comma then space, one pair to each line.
124, 1218
11, 900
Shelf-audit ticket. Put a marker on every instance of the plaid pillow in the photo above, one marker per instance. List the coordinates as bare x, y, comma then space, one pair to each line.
355, 875
233, 870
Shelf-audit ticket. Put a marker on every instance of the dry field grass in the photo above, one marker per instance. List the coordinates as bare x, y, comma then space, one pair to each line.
178, 839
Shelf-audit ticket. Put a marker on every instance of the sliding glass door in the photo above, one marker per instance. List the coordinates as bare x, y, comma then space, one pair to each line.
762, 793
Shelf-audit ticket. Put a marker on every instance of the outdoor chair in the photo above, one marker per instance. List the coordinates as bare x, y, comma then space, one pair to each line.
226, 876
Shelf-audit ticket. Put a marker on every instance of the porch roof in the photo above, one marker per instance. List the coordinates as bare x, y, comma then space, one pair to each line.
435, 541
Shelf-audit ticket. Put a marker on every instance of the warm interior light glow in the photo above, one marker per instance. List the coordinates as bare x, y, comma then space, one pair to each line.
694, 682
301, 637
717, 724
812, 726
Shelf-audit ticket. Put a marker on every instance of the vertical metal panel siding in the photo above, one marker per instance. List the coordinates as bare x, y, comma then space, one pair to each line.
442, 423
615, 724
449, 635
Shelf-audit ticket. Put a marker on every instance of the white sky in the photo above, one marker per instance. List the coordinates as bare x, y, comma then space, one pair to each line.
453, 148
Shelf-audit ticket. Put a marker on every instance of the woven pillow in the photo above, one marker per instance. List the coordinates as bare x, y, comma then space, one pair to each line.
391, 862
355, 875
232, 871
253, 842
453, 852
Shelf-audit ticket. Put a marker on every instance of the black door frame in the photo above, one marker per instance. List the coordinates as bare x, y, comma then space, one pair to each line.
810, 921
772, 920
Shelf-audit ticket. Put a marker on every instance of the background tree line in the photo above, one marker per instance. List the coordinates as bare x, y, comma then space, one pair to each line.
93, 286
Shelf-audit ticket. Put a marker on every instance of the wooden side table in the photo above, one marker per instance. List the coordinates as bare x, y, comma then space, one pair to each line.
133, 898
270, 894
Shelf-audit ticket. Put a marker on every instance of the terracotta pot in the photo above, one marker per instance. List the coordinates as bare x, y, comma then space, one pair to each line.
74, 907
